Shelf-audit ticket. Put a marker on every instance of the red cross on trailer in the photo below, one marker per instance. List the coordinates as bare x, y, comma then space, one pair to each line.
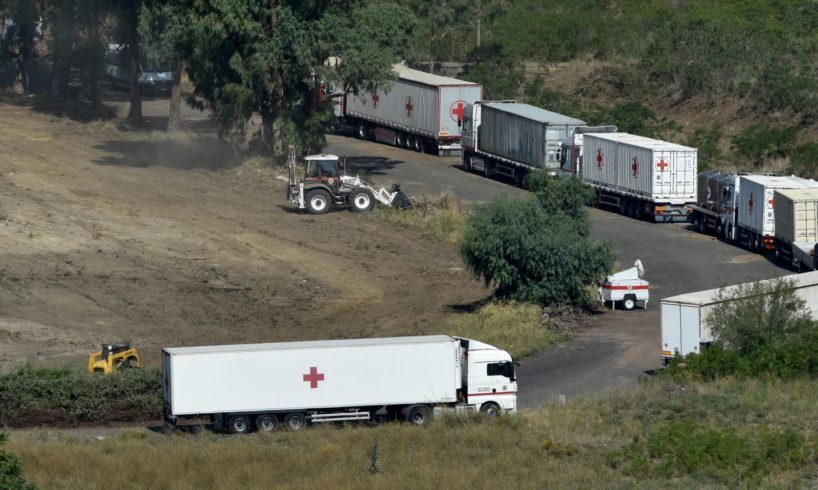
375, 99
599, 158
750, 204
662, 165
457, 109
635, 166
409, 106
314, 377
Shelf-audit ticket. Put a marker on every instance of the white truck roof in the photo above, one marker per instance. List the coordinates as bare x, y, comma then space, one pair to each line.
710, 296
310, 344
641, 141
781, 181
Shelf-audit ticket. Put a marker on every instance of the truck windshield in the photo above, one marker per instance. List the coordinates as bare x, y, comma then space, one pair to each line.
505, 369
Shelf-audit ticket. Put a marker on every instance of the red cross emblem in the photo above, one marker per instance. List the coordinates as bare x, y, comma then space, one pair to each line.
599, 158
314, 377
635, 166
771, 202
750, 204
662, 165
409, 106
457, 109
375, 99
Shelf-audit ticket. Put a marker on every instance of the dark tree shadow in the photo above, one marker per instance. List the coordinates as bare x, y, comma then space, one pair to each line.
370, 165
472, 306
196, 153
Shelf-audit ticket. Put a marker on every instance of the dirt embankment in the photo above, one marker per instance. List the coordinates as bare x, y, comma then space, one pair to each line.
108, 235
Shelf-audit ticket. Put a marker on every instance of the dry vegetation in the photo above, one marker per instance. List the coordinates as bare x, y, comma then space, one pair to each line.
739, 434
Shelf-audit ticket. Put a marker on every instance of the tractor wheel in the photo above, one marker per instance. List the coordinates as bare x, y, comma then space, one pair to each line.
318, 201
361, 201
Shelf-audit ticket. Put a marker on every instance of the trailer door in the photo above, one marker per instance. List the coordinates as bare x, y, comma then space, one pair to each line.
166, 391
690, 335
671, 330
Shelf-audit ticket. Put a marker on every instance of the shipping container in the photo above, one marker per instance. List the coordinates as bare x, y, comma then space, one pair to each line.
685, 327
335, 380
796, 227
511, 139
756, 205
419, 110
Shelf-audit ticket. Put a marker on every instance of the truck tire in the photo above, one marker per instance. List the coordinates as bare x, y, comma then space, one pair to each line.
519, 177
629, 302
361, 201
318, 201
466, 162
490, 409
267, 423
417, 144
362, 132
418, 415
238, 424
400, 139
295, 421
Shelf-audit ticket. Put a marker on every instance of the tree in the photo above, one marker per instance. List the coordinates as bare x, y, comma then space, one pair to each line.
19, 30
534, 253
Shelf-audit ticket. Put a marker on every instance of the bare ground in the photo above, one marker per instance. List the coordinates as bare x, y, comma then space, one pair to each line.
108, 235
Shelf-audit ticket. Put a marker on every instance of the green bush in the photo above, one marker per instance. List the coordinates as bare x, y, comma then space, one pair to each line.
708, 142
38, 395
11, 471
804, 161
760, 142
534, 253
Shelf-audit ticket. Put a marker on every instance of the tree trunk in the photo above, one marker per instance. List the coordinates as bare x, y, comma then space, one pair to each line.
175, 114
268, 119
132, 19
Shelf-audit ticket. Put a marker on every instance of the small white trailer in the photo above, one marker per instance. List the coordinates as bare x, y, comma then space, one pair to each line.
262, 386
685, 329
626, 287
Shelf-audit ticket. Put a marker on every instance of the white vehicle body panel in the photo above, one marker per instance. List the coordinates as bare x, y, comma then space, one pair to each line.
654, 170
756, 202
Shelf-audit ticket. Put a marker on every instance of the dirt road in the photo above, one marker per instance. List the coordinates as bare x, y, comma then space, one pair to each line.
108, 235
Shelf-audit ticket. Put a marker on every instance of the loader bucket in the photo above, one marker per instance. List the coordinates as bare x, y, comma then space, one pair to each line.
401, 201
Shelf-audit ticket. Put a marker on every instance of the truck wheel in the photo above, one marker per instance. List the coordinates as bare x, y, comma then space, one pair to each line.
400, 139
363, 131
418, 415
490, 409
318, 201
361, 201
417, 144
266, 423
467, 162
295, 421
238, 424
629, 303
519, 177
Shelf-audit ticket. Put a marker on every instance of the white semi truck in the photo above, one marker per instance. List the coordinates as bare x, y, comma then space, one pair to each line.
419, 111
512, 139
685, 328
263, 386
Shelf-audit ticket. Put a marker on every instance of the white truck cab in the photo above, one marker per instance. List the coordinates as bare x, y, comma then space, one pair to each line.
492, 379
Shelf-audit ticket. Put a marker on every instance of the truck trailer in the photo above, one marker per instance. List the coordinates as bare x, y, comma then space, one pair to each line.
419, 111
685, 329
263, 386
796, 227
640, 177
512, 139
755, 209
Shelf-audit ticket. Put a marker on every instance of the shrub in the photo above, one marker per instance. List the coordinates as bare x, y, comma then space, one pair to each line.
11, 472
805, 160
707, 140
535, 254
760, 142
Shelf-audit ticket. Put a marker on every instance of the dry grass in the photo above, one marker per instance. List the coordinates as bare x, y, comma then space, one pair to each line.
576, 445
437, 217
515, 327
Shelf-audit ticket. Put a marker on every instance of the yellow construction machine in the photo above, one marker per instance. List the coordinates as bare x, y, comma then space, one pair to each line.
113, 357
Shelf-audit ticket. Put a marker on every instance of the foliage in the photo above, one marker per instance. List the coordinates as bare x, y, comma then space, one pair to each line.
631, 117
708, 142
532, 254
438, 217
759, 142
35, 395
11, 471
760, 329
805, 160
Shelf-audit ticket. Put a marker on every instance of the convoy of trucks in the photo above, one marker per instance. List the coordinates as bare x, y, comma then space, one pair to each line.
263, 386
512, 139
419, 111
685, 328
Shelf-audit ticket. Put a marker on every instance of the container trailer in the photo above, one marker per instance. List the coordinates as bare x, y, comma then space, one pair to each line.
641, 177
263, 386
512, 139
684, 318
796, 227
419, 111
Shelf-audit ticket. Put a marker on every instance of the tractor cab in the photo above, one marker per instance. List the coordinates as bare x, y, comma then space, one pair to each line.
323, 171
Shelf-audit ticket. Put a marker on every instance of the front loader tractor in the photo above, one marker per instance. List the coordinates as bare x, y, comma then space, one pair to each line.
325, 185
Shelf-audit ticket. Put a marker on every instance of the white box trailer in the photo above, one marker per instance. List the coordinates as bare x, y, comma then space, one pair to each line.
294, 383
796, 227
420, 111
512, 139
641, 177
755, 221
684, 317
